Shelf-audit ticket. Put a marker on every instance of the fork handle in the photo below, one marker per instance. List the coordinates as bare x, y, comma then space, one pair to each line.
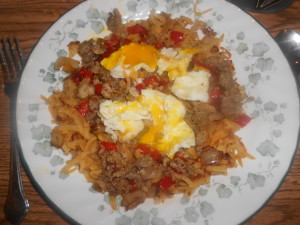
16, 205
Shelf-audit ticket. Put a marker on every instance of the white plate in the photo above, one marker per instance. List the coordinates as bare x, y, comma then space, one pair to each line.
271, 136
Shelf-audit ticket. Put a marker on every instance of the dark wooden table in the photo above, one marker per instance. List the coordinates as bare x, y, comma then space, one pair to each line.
29, 19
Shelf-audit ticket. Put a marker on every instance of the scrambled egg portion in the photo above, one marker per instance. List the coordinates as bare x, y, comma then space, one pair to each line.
167, 131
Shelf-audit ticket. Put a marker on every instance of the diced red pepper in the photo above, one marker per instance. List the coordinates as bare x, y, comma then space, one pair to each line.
98, 89
177, 36
163, 83
151, 81
213, 72
83, 108
126, 41
154, 82
133, 186
243, 120
159, 45
109, 146
82, 73
139, 87
165, 183
143, 41
77, 79
113, 42
146, 150
215, 94
137, 29
105, 54
112, 45
88, 74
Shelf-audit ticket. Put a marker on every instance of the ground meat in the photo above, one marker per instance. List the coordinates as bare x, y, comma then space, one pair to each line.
57, 139
201, 116
97, 68
90, 116
218, 63
114, 22
85, 89
231, 106
232, 97
209, 32
131, 200
90, 51
209, 155
226, 80
94, 104
116, 89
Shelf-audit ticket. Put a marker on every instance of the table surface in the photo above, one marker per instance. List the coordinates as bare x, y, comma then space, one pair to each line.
29, 19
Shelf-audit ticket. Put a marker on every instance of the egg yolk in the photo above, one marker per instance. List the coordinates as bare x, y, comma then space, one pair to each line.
132, 55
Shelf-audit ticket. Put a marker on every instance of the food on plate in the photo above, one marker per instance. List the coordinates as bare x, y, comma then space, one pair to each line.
151, 110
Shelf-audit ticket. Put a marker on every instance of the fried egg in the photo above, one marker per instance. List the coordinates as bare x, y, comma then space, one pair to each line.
194, 86
123, 120
174, 61
167, 131
130, 58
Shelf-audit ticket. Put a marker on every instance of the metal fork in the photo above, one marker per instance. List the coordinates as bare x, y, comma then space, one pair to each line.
265, 4
12, 61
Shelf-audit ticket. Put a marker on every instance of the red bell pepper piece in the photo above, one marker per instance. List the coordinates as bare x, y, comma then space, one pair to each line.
243, 120
109, 146
165, 183
98, 89
152, 80
137, 29
105, 54
113, 42
83, 108
146, 150
133, 186
139, 87
126, 41
215, 94
159, 45
177, 36
82, 73
143, 41
112, 45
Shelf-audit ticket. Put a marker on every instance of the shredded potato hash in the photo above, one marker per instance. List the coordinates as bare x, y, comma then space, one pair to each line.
140, 128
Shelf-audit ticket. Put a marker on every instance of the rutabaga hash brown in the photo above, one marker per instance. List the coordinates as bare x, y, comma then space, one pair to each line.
132, 166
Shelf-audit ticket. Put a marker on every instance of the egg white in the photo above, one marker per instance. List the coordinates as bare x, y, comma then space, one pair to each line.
168, 131
194, 86
124, 118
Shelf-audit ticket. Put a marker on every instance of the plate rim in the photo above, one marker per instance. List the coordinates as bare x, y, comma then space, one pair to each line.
68, 218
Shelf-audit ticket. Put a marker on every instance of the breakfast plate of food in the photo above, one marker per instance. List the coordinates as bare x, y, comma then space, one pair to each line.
157, 112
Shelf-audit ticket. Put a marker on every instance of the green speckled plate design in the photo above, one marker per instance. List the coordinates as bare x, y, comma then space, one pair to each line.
271, 136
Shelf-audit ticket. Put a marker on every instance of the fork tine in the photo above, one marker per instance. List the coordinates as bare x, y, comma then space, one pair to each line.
2, 61
264, 4
8, 59
14, 55
20, 52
